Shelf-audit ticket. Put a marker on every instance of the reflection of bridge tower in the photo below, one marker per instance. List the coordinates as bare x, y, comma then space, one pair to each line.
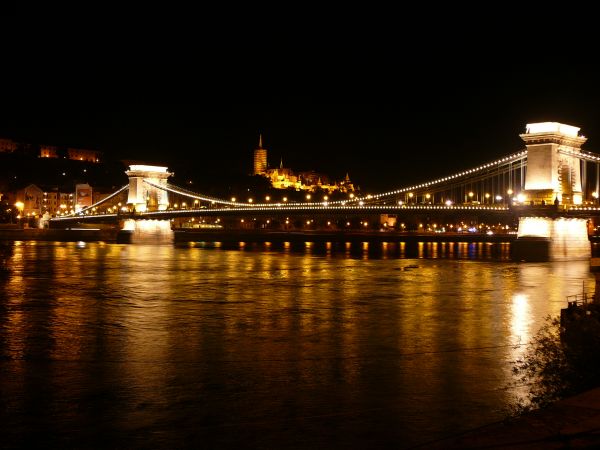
551, 171
142, 195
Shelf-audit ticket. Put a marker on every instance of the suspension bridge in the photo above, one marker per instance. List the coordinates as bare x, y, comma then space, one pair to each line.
550, 187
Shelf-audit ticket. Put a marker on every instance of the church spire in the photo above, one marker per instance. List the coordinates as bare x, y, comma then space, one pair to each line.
281, 163
260, 140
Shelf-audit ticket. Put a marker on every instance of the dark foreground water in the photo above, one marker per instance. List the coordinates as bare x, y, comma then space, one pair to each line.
127, 346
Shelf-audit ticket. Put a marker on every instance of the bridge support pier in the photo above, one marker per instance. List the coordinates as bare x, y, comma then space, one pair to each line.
146, 232
551, 239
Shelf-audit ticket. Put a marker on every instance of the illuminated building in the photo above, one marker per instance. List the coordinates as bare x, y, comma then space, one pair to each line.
51, 151
75, 154
7, 146
37, 200
56, 202
30, 200
48, 151
51, 201
66, 203
80, 154
260, 158
285, 178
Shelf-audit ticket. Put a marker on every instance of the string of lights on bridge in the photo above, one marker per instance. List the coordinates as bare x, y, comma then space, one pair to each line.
584, 155
317, 207
358, 202
508, 159
306, 208
292, 206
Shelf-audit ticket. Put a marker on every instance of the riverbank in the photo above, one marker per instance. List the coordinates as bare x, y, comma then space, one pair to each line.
233, 236
569, 423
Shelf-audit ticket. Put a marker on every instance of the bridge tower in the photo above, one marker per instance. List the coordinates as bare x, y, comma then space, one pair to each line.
144, 196
552, 170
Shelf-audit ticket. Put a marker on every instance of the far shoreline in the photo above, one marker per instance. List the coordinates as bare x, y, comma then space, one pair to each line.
182, 235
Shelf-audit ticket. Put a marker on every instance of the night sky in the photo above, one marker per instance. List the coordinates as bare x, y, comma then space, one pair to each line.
391, 112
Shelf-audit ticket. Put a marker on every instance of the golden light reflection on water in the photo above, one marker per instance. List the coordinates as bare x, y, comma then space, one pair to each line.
521, 319
247, 333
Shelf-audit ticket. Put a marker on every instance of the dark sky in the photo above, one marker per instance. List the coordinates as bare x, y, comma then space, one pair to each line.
391, 109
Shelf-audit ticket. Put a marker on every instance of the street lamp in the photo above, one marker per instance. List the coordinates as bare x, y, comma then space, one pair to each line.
19, 205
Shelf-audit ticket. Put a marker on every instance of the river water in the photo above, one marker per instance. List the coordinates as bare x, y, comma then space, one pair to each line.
136, 346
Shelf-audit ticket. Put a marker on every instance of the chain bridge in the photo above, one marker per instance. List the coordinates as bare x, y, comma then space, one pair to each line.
550, 188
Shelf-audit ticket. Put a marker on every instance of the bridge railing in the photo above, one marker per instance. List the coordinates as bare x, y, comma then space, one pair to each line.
580, 299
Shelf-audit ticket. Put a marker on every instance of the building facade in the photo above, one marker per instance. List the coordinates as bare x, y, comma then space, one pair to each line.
83, 196
28, 201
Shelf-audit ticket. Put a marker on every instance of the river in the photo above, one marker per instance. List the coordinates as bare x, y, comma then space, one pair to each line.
202, 346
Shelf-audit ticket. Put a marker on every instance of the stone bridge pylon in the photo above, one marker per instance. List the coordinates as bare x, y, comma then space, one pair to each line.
553, 169
553, 175
143, 196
